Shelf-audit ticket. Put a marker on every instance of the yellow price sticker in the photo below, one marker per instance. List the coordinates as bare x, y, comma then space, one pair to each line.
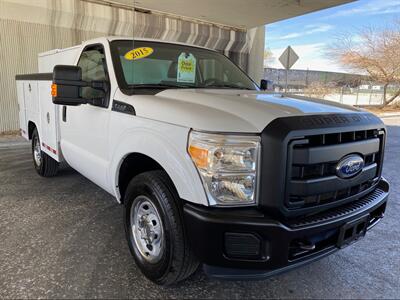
138, 53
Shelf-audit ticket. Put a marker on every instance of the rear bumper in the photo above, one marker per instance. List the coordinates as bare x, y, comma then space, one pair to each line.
246, 244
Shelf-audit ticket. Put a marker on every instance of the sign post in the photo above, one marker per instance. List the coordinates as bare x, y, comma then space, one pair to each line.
288, 59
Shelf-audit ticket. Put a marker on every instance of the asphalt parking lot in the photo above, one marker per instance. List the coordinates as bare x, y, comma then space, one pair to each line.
63, 238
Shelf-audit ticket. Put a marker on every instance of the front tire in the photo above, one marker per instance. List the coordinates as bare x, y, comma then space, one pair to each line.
154, 229
44, 165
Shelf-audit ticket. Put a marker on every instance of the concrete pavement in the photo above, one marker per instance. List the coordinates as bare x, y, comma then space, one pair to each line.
63, 238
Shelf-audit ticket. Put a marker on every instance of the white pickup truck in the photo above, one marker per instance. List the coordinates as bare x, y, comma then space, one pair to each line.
210, 168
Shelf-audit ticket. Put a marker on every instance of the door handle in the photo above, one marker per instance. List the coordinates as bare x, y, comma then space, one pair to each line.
64, 113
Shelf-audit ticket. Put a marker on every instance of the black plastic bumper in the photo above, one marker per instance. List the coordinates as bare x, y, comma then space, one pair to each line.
247, 244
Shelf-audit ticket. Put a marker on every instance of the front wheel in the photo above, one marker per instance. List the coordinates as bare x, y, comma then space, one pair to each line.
44, 165
154, 229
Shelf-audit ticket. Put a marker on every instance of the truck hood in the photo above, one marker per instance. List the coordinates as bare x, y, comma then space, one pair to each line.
225, 110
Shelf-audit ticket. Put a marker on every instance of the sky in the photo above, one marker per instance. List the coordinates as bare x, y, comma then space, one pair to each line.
310, 35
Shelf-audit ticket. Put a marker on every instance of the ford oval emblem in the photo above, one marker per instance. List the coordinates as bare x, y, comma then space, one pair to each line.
349, 166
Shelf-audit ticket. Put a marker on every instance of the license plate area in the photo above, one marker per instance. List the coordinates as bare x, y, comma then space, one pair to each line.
353, 231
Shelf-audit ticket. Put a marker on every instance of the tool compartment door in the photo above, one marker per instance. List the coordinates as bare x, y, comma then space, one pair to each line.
23, 123
49, 113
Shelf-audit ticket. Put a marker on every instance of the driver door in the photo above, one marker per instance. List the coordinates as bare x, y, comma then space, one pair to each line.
84, 128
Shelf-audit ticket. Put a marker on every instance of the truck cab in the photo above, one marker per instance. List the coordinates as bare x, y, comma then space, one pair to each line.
209, 168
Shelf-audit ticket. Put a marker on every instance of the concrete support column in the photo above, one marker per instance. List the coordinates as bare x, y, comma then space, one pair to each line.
256, 56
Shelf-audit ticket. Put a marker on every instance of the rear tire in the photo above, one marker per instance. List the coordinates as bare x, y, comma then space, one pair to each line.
154, 229
44, 165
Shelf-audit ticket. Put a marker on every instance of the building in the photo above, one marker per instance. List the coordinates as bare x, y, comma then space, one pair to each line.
28, 27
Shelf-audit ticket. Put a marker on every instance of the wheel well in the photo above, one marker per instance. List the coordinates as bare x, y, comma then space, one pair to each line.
134, 164
31, 128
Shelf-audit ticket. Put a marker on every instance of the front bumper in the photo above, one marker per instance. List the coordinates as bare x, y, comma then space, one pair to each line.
247, 244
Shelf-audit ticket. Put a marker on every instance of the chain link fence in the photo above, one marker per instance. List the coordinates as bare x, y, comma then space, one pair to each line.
349, 96
351, 89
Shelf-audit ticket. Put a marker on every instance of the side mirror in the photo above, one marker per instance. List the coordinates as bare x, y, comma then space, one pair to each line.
67, 85
264, 84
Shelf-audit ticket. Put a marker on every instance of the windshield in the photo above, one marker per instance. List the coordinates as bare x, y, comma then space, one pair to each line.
164, 65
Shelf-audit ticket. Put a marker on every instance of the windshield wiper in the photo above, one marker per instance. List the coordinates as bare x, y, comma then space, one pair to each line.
175, 86
228, 86
158, 86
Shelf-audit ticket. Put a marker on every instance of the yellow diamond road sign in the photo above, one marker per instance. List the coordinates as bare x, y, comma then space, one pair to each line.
288, 58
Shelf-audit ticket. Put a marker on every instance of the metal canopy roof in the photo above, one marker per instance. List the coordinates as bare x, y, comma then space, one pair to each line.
234, 13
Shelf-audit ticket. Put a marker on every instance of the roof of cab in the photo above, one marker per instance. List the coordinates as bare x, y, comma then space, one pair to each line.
115, 38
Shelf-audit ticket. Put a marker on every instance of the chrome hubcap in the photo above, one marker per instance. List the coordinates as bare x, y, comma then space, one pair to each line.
147, 229
37, 151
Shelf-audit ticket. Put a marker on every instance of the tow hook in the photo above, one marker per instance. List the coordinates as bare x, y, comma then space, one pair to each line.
305, 245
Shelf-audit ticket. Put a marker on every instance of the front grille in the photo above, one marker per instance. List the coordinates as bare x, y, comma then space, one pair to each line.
299, 158
312, 160
342, 211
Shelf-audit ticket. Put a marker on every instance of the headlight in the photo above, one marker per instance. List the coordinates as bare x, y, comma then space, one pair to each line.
227, 165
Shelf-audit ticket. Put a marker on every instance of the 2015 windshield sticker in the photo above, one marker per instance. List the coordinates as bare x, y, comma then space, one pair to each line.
186, 68
138, 53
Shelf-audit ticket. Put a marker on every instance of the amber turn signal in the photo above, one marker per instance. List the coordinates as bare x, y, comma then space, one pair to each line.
54, 90
199, 156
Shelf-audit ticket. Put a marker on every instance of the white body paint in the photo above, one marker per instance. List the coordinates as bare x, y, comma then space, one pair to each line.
95, 140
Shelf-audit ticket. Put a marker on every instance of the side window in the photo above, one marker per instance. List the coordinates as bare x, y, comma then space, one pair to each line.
93, 65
